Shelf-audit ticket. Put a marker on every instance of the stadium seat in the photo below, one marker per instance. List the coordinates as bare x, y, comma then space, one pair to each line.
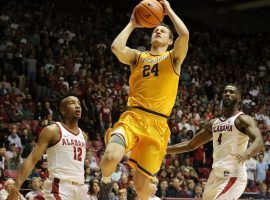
267, 179
2, 184
254, 189
9, 173
203, 172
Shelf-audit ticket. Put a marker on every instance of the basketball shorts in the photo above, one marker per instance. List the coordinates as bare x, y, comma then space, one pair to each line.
146, 136
224, 188
56, 190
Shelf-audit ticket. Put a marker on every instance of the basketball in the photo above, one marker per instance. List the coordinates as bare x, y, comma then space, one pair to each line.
149, 13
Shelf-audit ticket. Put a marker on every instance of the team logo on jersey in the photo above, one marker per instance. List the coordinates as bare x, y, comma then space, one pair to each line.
154, 60
226, 173
222, 128
67, 141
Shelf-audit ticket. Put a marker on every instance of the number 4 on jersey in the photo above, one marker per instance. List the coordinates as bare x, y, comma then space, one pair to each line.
219, 140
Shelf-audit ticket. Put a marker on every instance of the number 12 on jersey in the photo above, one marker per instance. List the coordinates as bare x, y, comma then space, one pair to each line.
77, 153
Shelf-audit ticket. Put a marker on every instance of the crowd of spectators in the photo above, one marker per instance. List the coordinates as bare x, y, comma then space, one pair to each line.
45, 48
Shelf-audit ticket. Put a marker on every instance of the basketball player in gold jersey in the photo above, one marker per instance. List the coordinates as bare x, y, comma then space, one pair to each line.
142, 129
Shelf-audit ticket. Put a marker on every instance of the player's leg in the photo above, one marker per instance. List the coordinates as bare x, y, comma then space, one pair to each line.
82, 192
143, 186
56, 190
212, 187
233, 189
115, 151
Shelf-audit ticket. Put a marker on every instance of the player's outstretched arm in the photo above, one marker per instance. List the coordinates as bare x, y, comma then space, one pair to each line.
44, 140
249, 126
125, 54
181, 43
203, 136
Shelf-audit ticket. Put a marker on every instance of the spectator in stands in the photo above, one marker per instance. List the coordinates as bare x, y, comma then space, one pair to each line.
186, 164
15, 113
198, 191
117, 174
162, 174
122, 194
87, 174
162, 189
15, 162
14, 138
132, 194
9, 184
170, 172
123, 182
47, 110
261, 169
190, 190
2, 159
44, 173
263, 192
131, 174
92, 160
28, 147
251, 169
266, 157
114, 192
97, 173
11, 150
105, 117
153, 196
25, 137
94, 189
175, 190
35, 172
36, 191
199, 158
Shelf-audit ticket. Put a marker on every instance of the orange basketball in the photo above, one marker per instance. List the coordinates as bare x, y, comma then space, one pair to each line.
149, 13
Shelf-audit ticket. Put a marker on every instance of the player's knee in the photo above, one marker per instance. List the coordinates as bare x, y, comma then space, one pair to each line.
111, 157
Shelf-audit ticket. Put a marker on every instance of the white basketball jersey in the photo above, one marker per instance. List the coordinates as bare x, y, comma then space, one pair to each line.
227, 141
66, 158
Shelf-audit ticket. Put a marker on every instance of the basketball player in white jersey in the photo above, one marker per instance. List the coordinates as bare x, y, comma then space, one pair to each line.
230, 134
65, 144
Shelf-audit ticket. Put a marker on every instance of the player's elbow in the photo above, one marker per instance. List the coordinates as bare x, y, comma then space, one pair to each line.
114, 48
185, 33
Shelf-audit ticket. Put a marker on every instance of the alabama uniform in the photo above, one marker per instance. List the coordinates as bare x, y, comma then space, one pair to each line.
228, 178
66, 167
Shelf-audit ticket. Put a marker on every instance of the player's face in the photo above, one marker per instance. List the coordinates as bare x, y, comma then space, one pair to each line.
161, 35
72, 107
230, 96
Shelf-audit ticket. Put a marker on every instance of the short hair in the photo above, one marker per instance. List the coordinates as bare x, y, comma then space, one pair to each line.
234, 85
36, 178
122, 191
56, 100
169, 28
10, 180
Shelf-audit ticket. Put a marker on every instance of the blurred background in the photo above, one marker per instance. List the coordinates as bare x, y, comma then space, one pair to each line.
53, 46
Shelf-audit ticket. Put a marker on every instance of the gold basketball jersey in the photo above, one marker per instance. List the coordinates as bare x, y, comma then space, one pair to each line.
154, 83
